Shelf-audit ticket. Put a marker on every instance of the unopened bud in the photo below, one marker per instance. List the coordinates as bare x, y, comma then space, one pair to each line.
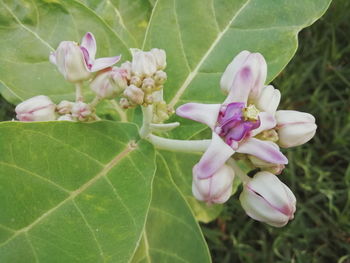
265, 198
81, 111
66, 117
65, 107
39, 108
134, 94
126, 66
160, 77
109, 84
216, 189
265, 166
294, 127
136, 81
148, 85
124, 103
160, 57
143, 63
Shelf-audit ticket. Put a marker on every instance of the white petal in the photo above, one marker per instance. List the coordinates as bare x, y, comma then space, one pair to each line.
204, 113
215, 157
265, 150
268, 100
231, 71
267, 122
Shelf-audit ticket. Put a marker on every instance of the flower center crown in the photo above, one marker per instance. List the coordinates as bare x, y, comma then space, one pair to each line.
235, 121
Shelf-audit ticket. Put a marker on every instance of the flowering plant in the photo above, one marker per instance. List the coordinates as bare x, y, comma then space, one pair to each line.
87, 176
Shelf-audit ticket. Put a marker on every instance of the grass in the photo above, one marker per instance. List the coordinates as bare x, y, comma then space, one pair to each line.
317, 80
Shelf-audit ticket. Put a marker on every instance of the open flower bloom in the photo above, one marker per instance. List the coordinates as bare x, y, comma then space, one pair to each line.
265, 198
77, 62
239, 123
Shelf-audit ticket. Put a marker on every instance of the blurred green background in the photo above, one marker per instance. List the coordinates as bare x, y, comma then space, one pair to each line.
317, 80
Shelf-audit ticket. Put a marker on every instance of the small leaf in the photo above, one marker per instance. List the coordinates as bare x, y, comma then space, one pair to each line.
72, 192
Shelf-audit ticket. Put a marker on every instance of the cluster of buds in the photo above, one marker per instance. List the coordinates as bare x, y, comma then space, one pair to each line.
77, 63
145, 80
248, 123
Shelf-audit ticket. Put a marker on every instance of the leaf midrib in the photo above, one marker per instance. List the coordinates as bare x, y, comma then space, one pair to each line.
193, 73
130, 147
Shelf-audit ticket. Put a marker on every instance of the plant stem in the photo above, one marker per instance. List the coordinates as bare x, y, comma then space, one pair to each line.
95, 101
79, 91
238, 171
120, 111
147, 114
178, 145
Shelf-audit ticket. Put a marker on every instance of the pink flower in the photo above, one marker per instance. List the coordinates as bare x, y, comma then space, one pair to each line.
240, 118
77, 62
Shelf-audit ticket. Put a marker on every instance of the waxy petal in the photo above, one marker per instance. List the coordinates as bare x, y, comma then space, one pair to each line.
267, 121
204, 113
265, 150
232, 69
102, 63
260, 72
89, 43
268, 100
215, 157
242, 84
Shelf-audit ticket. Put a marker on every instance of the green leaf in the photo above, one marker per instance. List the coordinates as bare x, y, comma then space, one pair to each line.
172, 233
30, 30
202, 36
73, 192
180, 168
128, 18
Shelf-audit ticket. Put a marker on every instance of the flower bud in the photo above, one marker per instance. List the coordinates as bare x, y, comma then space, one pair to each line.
124, 103
160, 57
265, 198
216, 189
265, 166
66, 117
134, 94
148, 85
70, 62
136, 81
65, 107
38, 108
294, 127
81, 111
269, 99
143, 63
109, 84
126, 66
160, 77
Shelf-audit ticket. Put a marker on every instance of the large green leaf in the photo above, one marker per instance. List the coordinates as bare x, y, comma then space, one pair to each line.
128, 18
29, 30
73, 192
202, 36
171, 233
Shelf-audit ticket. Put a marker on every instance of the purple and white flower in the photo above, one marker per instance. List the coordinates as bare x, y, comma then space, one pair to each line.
246, 113
77, 62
